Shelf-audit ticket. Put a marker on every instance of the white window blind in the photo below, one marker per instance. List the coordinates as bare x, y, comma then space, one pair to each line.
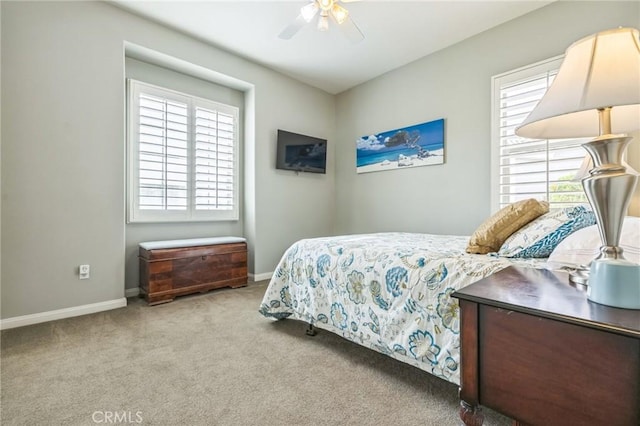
183, 155
530, 168
214, 160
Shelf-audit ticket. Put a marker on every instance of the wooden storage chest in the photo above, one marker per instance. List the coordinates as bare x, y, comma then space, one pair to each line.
175, 268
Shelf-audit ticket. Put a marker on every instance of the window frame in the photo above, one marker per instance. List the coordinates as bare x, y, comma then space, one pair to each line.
497, 82
190, 214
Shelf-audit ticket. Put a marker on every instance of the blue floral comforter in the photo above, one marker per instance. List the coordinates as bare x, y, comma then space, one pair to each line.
390, 292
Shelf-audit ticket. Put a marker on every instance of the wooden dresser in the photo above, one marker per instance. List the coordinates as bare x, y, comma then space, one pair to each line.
174, 268
535, 349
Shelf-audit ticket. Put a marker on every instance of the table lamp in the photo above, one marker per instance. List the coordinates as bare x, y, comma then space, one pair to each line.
597, 93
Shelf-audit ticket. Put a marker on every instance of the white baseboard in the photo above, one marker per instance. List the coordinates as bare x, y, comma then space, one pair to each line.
75, 311
132, 292
260, 277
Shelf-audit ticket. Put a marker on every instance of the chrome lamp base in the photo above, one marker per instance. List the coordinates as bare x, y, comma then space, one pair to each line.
612, 280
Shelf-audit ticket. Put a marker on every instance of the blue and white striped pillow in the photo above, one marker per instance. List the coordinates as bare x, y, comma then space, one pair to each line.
542, 235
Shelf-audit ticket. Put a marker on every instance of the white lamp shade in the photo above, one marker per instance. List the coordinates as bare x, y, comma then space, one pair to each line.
323, 23
599, 71
339, 13
309, 11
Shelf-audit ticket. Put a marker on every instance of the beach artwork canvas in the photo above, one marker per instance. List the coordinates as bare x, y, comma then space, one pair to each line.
413, 146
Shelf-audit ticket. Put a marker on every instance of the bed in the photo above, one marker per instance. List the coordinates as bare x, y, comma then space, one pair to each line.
390, 292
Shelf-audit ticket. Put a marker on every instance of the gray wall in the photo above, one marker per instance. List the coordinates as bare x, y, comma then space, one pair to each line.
63, 153
454, 84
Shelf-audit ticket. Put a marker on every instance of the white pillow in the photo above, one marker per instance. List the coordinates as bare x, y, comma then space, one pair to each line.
583, 246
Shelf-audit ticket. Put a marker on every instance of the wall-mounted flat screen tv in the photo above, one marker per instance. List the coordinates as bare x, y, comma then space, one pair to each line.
301, 153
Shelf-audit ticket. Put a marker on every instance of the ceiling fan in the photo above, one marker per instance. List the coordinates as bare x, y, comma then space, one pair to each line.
328, 9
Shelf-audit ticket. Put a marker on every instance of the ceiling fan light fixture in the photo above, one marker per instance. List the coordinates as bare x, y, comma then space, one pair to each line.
323, 23
309, 11
326, 9
325, 5
339, 13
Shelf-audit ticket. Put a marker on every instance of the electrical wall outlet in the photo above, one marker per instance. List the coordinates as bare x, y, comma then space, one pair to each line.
84, 272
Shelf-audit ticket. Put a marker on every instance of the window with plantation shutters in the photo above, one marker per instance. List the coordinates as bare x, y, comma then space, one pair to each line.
182, 157
530, 168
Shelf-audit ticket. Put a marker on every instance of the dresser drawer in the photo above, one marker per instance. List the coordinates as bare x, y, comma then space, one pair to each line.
524, 357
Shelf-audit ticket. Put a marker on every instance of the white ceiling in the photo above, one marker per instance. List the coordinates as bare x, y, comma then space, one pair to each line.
396, 33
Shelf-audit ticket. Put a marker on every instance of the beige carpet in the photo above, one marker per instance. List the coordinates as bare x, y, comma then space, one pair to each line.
209, 359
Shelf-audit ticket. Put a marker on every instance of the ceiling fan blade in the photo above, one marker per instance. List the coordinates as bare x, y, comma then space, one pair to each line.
291, 29
351, 30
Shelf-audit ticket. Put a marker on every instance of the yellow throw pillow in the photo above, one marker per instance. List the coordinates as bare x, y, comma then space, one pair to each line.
495, 230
